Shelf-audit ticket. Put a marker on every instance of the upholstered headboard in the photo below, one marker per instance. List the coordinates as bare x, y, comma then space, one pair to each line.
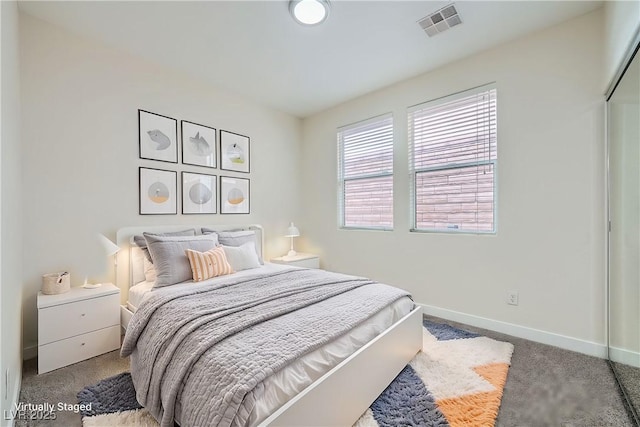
130, 258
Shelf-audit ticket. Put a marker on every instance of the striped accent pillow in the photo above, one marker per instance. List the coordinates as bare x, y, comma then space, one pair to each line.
205, 265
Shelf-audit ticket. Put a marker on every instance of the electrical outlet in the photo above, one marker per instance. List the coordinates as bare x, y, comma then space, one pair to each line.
512, 297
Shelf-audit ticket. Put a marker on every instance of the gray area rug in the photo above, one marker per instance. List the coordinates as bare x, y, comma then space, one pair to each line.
113, 394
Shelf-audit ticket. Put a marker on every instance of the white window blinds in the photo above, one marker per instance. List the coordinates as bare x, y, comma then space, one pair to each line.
365, 173
453, 154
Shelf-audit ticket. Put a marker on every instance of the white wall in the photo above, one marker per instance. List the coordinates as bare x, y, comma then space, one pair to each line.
621, 23
11, 215
80, 138
550, 240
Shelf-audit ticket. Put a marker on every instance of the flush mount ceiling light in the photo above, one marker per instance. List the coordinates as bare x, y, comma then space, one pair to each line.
309, 12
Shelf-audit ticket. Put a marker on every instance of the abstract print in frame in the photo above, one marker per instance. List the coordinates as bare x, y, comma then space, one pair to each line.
234, 152
158, 191
198, 193
234, 195
198, 145
158, 137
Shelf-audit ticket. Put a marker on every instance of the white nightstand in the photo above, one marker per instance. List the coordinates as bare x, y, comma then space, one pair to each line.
77, 325
299, 260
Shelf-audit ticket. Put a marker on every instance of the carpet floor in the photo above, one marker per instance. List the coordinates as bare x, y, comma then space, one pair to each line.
546, 386
549, 386
629, 377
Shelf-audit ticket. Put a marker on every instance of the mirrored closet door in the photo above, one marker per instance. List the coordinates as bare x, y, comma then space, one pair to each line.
623, 124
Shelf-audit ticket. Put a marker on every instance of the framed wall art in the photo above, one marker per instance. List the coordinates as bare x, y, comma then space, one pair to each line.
234, 195
198, 145
158, 137
234, 152
199, 193
158, 192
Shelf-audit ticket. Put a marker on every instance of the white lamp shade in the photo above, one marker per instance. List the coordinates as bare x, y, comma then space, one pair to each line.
110, 248
292, 231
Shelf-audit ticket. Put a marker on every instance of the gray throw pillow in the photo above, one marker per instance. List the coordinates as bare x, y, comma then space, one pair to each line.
235, 238
140, 241
169, 258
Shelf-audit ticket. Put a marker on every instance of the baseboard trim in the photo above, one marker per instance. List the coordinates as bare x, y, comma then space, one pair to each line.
568, 343
626, 357
30, 352
15, 396
16, 393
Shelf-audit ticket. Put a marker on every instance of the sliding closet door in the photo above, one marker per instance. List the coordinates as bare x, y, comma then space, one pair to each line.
623, 111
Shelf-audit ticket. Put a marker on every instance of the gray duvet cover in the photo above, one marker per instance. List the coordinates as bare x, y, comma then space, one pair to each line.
200, 354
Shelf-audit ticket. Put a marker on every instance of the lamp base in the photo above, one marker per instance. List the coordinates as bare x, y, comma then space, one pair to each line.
91, 285
292, 253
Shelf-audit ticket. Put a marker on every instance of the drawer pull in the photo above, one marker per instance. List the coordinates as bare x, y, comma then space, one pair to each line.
82, 315
82, 344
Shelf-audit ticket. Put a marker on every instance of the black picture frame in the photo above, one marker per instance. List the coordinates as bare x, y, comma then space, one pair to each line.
235, 195
164, 183
157, 137
194, 187
235, 152
199, 149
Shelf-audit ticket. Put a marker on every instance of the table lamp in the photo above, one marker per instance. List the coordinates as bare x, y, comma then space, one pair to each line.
292, 232
110, 249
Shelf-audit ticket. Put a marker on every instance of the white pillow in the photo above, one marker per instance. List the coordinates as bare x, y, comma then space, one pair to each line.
242, 257
149, 271
235, 238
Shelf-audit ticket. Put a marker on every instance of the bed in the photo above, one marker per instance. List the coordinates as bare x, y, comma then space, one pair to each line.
309, 389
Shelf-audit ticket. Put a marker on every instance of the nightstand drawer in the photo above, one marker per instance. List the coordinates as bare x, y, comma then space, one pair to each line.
76, 318
307, 263
299, 260
72, 350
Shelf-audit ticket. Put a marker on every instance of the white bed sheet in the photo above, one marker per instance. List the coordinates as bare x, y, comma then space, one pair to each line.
137, 294
285, 384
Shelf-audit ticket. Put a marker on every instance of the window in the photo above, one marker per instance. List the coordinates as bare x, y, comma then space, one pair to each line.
453, 154
365, 174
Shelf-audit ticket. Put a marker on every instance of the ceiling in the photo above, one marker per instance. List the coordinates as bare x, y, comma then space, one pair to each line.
255, 48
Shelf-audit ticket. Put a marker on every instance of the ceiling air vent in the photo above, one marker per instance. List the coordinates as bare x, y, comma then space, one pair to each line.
440, 20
